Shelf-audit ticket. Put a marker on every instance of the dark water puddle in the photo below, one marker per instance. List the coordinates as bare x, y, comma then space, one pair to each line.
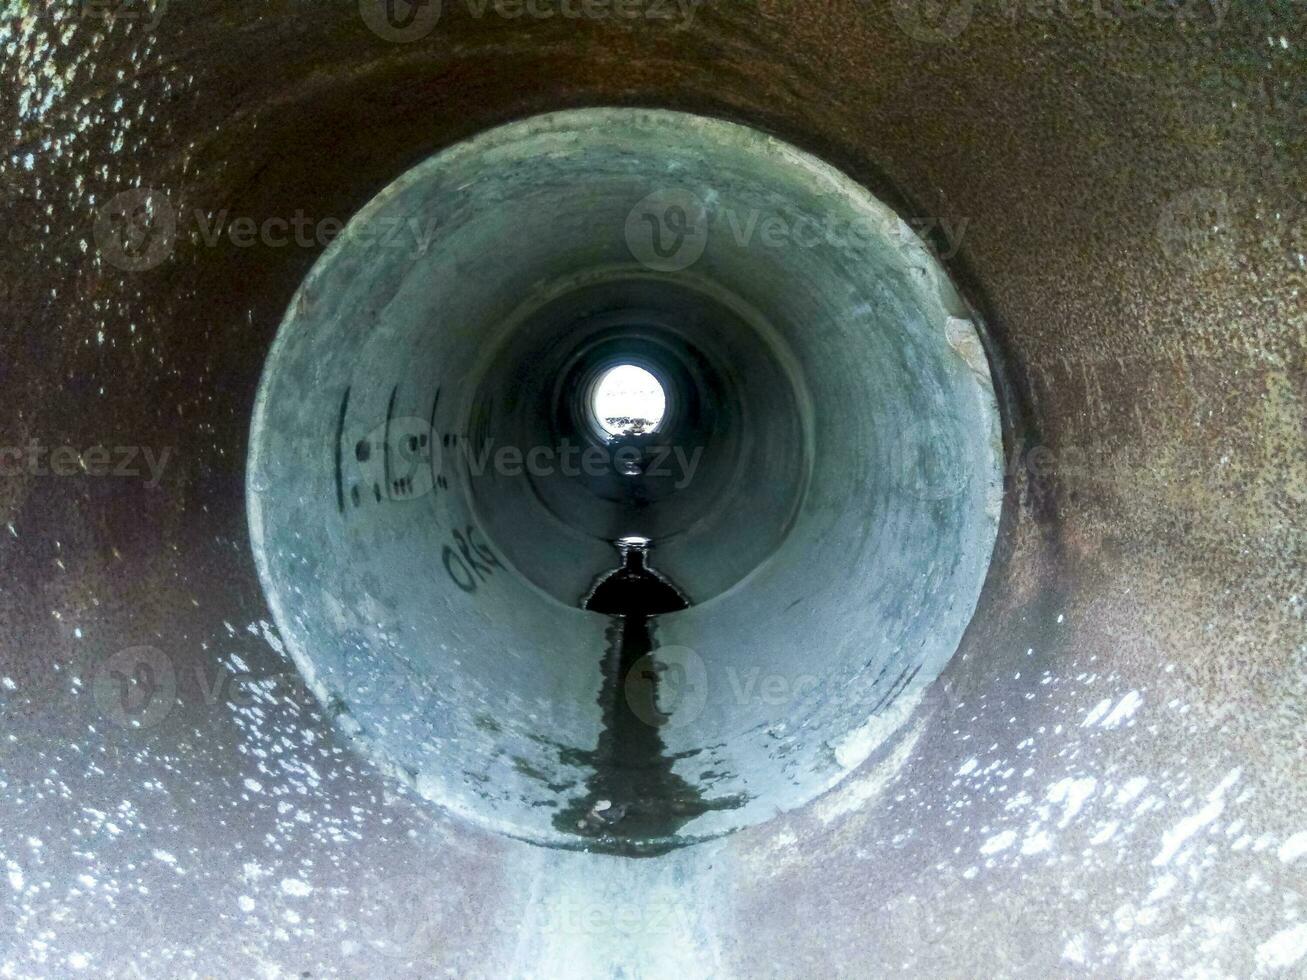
634, 803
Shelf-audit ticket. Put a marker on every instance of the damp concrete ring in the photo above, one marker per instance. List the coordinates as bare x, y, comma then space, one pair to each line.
823, 593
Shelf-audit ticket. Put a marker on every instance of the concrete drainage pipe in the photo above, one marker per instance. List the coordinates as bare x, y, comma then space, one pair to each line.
936, 608
824, 492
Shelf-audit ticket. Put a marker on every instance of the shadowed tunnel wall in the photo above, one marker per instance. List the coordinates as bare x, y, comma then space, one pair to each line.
1106, 779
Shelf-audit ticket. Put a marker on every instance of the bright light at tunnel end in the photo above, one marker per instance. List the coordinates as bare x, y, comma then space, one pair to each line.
628, 400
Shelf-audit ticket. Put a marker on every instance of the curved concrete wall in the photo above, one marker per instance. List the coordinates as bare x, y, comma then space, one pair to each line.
363, 490
1107, 777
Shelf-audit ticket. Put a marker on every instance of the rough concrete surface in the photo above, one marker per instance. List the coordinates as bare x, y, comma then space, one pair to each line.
1106, 780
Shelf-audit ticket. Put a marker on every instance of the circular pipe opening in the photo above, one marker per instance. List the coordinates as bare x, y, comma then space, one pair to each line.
628, 401
434, 511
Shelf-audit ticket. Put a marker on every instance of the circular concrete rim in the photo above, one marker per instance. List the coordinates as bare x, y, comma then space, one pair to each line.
954, 334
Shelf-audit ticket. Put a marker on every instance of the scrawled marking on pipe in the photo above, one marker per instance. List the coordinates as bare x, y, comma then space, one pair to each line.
431, 428
385, 447
477, 569
897, 688
340, 436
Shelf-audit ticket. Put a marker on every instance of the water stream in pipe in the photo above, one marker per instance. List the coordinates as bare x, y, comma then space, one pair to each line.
634, 803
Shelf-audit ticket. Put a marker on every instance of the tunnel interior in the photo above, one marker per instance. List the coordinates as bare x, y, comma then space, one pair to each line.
828, 466
963, 635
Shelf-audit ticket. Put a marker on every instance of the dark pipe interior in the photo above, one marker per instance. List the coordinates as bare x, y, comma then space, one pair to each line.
537, 390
